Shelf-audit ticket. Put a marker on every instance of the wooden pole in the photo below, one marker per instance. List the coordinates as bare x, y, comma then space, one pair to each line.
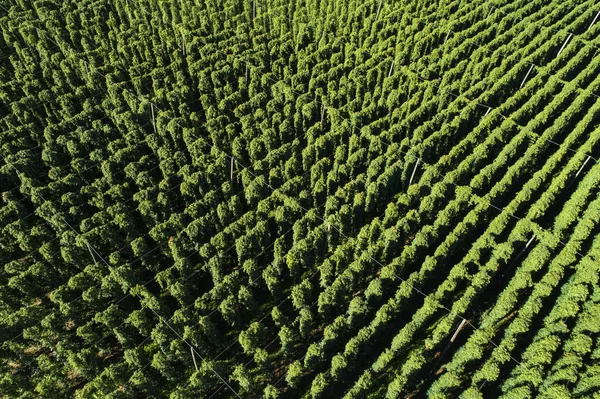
564, 45
526, 75
414, 171
378, 9
91, 253
391, 69
490, 11
153, 120
231, 174
322, 114
583, 166
530, 241
447, 34
441, 357
253, 9
488, 111
194, 358
595, 18
458, 330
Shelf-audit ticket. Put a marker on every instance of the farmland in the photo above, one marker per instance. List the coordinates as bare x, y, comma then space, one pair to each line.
310, 199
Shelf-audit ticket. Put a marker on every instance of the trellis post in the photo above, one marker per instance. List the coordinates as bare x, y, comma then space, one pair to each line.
153, 119
564, 45
458, 330
526, 75
378, 9
583, 166
91, 253
530, 241
595, 18
194, 358
447, 34
414, 171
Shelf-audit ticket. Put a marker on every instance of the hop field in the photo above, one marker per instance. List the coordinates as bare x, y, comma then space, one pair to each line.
310, 199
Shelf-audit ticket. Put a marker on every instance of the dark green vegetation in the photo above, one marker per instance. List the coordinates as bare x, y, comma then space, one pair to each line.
210, 199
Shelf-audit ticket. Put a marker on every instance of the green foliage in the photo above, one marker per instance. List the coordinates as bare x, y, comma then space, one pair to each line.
312, 195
